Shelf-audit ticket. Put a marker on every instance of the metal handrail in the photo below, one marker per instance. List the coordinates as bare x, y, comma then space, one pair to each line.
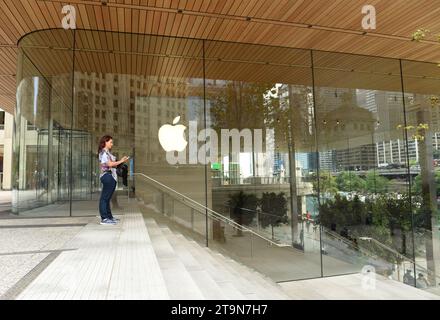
404, 258
335, 235
247, 209
212, 213
350, 243
331, 233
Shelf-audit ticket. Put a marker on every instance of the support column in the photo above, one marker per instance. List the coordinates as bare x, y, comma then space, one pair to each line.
7, 152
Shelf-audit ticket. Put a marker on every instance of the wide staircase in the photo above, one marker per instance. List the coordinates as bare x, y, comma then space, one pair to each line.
193, 271
158, 251
142, 259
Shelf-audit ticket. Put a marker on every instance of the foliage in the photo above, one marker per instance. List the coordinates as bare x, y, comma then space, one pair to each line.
327, 183
231, 107
342, 212
376, 184
349, 181
274, 208
417, 184
380, 218
243, 207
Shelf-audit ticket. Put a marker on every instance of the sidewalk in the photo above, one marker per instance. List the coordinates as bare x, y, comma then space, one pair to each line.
107, 263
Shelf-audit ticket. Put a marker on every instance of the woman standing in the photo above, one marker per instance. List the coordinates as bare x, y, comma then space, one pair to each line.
108, 178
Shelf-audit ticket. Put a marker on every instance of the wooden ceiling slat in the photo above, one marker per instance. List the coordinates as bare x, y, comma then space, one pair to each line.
259, 7
186, 25
113, 12
233, 8
174, 4
105, 16
289, 13
135, 21
195, 5
10, 31
225, 22
176, 26
127, 19
18, 10
99, 15
197, 26
169, 23
164, 23
53, 11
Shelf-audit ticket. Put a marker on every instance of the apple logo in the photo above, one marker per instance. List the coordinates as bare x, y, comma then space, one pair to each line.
171, 137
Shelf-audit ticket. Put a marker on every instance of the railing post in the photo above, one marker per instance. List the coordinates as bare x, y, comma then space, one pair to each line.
192, 218
163, 203
258, 220
128, 190
252, 245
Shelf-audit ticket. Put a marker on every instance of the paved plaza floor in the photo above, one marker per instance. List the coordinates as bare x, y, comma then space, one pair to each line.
144, 258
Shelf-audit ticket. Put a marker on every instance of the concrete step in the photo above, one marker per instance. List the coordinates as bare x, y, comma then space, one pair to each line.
265, 288
227, 281
210, 289
271, 289
179, 282
250, 283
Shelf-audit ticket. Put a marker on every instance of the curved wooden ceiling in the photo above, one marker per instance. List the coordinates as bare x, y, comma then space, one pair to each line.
323, 25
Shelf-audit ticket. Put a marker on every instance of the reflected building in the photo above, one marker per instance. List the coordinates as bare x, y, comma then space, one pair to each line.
329, 112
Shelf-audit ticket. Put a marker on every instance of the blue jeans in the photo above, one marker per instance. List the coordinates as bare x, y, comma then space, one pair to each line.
108, 187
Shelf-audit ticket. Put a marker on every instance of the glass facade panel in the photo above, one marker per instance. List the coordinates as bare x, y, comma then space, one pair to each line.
264, 97
42, 124
298, 163
421, 85
363, 179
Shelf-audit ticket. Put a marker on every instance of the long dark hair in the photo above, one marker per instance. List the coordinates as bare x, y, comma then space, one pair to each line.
103, 141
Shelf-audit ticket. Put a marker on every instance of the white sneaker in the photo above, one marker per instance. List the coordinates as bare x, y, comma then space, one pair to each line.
108, 222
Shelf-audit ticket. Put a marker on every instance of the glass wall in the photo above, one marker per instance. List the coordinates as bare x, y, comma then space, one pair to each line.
298, 163
43, 124
363, 180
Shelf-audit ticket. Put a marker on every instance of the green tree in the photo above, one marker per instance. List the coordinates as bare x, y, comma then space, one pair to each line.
376, 184
274, 210
241, 105
243, 208
417, 184
394, 214
327, 183
341, 212
349, 181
